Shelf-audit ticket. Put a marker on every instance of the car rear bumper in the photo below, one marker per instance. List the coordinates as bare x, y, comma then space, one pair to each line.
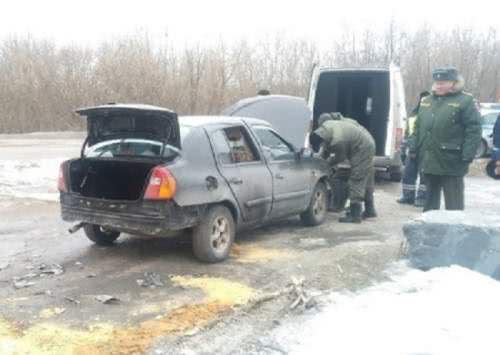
141, 217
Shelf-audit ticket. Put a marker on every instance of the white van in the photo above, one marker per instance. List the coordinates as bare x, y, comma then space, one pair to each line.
374, 97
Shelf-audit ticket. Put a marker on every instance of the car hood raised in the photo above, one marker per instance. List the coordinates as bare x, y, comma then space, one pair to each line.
289, 115
116, 121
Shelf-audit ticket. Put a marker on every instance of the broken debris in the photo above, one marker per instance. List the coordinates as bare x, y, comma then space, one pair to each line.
107, 299
54, 269
299, 295
20, 283
72, 300
151, 280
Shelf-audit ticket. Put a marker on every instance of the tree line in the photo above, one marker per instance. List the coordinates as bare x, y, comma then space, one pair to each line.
41, 83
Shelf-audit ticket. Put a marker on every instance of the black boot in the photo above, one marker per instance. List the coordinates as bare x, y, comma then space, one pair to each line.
408, 197
354, 215
420, 200
369, 211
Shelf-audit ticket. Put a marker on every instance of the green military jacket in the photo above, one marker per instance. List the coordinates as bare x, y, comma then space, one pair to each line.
344, 138
447, 134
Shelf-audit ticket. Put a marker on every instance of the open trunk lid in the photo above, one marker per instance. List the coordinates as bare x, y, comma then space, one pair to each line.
121, 121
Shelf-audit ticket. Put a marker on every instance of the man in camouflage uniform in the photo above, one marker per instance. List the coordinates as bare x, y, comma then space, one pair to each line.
448, 133
343, 139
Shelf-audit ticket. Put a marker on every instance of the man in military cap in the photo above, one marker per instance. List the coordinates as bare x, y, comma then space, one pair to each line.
341, 139
447, 135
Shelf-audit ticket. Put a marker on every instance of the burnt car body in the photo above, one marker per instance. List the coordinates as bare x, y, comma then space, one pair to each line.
144, 170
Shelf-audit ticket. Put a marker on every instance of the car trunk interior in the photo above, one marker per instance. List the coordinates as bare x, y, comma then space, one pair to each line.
361, 95
109, 179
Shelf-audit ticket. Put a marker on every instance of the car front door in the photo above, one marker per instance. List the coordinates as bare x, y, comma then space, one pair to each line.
244, 170
291, 178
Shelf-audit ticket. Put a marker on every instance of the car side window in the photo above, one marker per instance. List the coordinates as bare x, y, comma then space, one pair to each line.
221, 147
233, 146
275, 148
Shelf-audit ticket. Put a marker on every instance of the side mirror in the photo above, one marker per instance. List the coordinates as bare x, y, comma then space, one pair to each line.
305, 153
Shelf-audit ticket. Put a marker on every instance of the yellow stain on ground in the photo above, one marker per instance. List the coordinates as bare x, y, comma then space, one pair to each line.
255, 254
218, 290
104, 339
51, 312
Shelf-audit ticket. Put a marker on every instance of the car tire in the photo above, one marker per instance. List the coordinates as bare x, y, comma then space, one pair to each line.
214, 235
482, 149
396, 175
99, 235
317, 209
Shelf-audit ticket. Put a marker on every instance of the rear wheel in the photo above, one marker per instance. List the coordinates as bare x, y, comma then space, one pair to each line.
99, 235
316, 212
214, 235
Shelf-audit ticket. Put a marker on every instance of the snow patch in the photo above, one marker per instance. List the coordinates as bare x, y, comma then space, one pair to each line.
36, 179
449, 310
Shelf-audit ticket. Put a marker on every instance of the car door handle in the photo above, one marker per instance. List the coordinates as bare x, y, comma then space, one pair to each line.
279, 176
236, 181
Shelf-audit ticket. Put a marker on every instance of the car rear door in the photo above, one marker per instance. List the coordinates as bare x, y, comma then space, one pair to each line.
244, 170
291, 177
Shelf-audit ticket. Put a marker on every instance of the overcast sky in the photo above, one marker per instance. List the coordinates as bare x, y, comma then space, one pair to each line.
92, 21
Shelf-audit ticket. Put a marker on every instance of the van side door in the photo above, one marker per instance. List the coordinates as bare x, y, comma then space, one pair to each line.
244, 170
291, 176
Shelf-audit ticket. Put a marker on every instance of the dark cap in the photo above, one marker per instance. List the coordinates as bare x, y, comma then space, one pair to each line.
445, 74
263, 92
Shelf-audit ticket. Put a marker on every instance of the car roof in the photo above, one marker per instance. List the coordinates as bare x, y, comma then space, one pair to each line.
198, 121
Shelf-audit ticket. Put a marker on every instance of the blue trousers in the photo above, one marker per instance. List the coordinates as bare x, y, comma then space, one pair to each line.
410, 176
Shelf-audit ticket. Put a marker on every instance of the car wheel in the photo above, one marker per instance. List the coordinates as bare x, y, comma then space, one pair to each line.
395, 175
482, 149
99, 235
214, 235
316, 211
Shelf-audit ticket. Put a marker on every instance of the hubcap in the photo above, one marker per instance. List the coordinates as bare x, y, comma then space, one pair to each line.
319, 205
220, 236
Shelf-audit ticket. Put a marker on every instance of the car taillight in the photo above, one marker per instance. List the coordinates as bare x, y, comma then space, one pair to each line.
399, 137
61, 184
161, 186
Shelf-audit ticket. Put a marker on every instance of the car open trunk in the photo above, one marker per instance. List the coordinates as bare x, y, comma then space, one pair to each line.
110, 174
109, 179
360, 94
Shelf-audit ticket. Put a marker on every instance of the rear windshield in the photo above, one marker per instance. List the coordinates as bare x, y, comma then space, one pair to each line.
135, 147
131, 148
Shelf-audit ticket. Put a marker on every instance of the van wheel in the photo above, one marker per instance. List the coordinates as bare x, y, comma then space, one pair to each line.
99, 235
316, 212
214, 235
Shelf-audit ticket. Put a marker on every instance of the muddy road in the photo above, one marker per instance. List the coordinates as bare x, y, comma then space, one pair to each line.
51, 282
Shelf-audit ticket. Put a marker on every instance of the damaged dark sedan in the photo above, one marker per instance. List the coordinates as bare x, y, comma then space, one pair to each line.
143, 170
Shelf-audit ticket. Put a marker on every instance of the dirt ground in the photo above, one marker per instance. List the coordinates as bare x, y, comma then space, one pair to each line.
59, 313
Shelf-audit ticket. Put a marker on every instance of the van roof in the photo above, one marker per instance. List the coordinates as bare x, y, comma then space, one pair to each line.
351, 69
